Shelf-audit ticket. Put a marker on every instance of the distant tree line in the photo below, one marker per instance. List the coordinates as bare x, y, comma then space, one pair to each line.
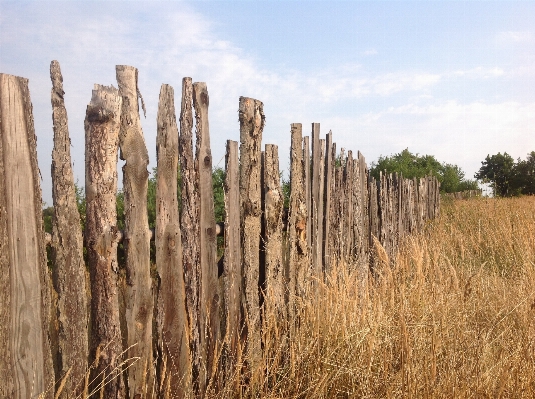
451, 177
507, 177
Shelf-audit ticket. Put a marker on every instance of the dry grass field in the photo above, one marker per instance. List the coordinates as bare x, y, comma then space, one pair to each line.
454, 318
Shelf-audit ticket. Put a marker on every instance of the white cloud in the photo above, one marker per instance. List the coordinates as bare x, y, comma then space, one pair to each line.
514, 36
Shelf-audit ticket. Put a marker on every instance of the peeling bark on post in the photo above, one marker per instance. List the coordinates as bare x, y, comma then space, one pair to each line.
273, 235
25, 357
189, 223
251, 126
232, 269
297, 223
173, 329
67, 249
209, 289
139, 298
102, 125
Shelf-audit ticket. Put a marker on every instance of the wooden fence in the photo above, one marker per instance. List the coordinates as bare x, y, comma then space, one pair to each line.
165, 330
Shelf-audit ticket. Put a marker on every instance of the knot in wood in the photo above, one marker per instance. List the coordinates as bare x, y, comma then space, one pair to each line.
207, 160
204, 98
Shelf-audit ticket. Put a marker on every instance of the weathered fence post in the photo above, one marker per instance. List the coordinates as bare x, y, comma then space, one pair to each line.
102, 125
209, 287
316, 209
297, 222
329, 168
25, 358
173, 329
307, 187
251, 126
189, 219
274, 287
67, 249
232, 268
139, 298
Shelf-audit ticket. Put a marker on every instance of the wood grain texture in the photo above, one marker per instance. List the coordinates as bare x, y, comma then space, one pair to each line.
297, 223
139, 297
209, 289
232, 268
67, 251
190, 228
308, 186
273, 199
173, 328
315, 209
102, 125
251, 114
26, 363
328, 180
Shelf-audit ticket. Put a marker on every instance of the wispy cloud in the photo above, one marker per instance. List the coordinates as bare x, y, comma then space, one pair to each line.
514, 36
370, 52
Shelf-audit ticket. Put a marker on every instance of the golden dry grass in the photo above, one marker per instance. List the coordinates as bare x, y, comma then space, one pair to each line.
454, 318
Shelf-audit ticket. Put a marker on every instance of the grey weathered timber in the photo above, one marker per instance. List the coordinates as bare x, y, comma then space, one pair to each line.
189, 223
232, 268
362, 219
274, 268
209, 290
328, 180
25, 356
373, 213
139, 298
297, 223
320, 219
252, 118
316, 203
307, 187
173, 330
102, 125
67, 251
348, 209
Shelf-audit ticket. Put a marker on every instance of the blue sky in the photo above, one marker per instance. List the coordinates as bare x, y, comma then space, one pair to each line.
454, 79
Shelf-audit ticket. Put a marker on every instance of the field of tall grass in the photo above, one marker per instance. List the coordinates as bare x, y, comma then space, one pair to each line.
454, 317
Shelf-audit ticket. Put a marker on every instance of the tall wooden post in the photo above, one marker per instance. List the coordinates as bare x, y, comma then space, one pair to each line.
25, 358
189, 223
209, 288
232, 268
139, 297
67, 249
102, 125
173, 328
252, 118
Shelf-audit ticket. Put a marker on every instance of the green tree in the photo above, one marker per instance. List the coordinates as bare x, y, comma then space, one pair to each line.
524, 175
498, 170
451, 177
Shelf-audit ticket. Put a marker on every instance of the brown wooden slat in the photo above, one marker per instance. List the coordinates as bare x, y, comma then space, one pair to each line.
67, 251
209, 291
173, 328
102, 125
190, 228
252, 118
139, 297
26, 362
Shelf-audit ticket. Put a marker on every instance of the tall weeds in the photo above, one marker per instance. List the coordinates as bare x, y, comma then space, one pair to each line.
454, 317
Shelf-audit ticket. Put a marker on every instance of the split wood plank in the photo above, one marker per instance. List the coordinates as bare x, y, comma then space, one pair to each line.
139, 297
67, 251
25, 361
251, 115
173, 329
274, 272
209, 301
307, 187
102, 125
232, 267
328, 180
190, 229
